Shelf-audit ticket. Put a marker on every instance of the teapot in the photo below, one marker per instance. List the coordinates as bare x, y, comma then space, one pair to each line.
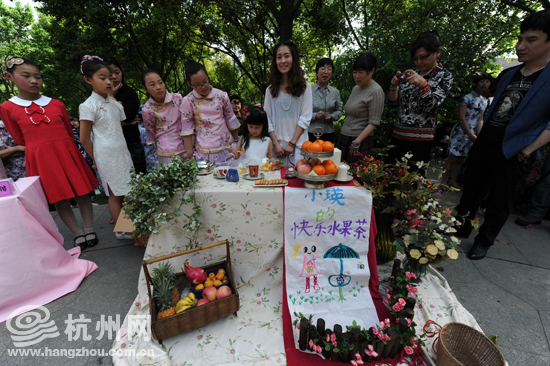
205, 166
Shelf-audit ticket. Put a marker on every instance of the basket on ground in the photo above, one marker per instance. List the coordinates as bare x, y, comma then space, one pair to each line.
195, 317
462, 345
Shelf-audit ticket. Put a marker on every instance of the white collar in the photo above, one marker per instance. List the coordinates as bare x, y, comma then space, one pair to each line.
42, 101
99, 97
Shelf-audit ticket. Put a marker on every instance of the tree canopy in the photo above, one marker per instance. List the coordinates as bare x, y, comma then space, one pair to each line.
235, 39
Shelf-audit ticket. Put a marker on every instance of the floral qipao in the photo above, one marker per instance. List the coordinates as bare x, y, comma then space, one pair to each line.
211, 118
475, 106
44, 128
162, 122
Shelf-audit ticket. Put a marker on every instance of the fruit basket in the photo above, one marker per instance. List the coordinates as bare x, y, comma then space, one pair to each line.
315, 181
198, 316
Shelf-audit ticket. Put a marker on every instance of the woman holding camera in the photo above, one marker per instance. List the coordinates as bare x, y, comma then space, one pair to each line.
419, 94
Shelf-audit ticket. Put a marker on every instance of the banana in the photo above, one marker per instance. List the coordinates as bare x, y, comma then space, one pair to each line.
191, 296
187, 301
186, 307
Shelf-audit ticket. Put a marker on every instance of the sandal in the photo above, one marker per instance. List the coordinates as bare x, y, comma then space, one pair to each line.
82, 245
91, 242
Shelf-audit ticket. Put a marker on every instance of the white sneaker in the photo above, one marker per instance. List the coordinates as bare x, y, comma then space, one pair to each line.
123, 236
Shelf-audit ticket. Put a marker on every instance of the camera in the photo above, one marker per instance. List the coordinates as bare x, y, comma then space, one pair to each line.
403, 76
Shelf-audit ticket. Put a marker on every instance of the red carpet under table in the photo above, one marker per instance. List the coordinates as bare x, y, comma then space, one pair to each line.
293, 355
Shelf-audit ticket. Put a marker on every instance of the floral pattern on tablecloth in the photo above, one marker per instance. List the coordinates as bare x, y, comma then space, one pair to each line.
251, 219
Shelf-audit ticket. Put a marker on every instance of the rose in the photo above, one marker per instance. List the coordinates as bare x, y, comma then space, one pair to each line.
431, 249
451, 253
415, 253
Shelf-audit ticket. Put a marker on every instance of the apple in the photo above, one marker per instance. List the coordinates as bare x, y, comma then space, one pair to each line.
209, 293
223, 291
304, 169
202, 302
301, 162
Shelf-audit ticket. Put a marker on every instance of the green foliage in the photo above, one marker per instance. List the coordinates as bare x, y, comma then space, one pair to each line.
154, 195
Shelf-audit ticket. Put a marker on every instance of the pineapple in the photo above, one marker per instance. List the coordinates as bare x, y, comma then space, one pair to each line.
163, 296
164, 290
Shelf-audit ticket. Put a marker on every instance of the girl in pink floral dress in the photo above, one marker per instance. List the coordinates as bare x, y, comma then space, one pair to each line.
207, 113
162, 118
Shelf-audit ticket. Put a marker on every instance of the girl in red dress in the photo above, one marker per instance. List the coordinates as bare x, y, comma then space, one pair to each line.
42, 125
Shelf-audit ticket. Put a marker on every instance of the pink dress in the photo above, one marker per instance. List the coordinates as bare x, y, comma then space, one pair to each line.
211, 118
162, 122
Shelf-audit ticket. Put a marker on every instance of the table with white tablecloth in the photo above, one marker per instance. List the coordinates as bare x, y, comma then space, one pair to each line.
252, 220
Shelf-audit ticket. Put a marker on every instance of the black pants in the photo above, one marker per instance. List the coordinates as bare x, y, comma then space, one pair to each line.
138, 156
489, 174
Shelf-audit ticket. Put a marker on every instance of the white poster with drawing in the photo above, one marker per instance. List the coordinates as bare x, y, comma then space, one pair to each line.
326, 248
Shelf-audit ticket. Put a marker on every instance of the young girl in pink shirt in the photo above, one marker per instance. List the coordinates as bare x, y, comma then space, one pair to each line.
162, 118
207, 113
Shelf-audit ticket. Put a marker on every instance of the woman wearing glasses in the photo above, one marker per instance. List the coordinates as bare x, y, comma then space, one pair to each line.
419, 94
327, 105
207, 113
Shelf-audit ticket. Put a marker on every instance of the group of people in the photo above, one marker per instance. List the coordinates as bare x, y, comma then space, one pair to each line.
204, 124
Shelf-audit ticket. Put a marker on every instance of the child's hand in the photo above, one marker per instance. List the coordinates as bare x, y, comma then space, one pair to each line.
273, 161
233, 152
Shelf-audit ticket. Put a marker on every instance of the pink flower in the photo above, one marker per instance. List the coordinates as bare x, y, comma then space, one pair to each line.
138, 304
259, 302
271, 246
402, 301
232, 351
359, 362
239, 241
211, 238
239, 249
328, 338
409, 350
409, 322
357, 356
214, 205
247, 213
209, 231
319, 349
258, 294
298, 326
353, 363
412, 289
123, 345
397, 307
310, 343
335, 344
333, 337
199, 337
259, 345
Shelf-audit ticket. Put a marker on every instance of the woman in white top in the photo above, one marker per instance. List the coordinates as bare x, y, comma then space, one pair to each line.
287, 102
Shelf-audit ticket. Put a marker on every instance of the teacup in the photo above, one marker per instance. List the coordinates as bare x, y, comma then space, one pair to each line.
221, 171
232, 175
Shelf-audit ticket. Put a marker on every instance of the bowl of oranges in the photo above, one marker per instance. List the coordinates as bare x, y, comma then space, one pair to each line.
317, 149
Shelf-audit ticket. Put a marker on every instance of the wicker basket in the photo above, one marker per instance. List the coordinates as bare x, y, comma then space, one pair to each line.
198, 316
461, 345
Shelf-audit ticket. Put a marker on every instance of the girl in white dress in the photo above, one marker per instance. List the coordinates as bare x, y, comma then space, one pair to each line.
102, 115
288, 102
255, 140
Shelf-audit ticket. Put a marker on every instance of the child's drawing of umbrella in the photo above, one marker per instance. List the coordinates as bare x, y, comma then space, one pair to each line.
341, 252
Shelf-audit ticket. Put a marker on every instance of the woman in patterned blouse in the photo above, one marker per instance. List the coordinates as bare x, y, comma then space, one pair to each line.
419, 94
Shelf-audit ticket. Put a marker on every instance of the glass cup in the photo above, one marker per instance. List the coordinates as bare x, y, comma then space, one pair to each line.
254, 169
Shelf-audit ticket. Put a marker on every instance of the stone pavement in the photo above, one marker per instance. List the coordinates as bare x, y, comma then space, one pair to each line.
508, 292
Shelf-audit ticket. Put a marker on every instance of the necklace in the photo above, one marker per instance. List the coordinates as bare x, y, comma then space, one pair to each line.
523, 76
283, 105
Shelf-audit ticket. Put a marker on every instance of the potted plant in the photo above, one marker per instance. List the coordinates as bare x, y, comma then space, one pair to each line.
158, 196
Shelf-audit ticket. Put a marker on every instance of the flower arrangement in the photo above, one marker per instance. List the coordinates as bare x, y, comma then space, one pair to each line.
378, 341
420, 223
149, 202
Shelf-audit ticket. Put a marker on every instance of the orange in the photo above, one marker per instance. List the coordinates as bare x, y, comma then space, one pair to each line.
315, 147
305, 145
328, 146
319, 169
320, 142
328, 162
331, 169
